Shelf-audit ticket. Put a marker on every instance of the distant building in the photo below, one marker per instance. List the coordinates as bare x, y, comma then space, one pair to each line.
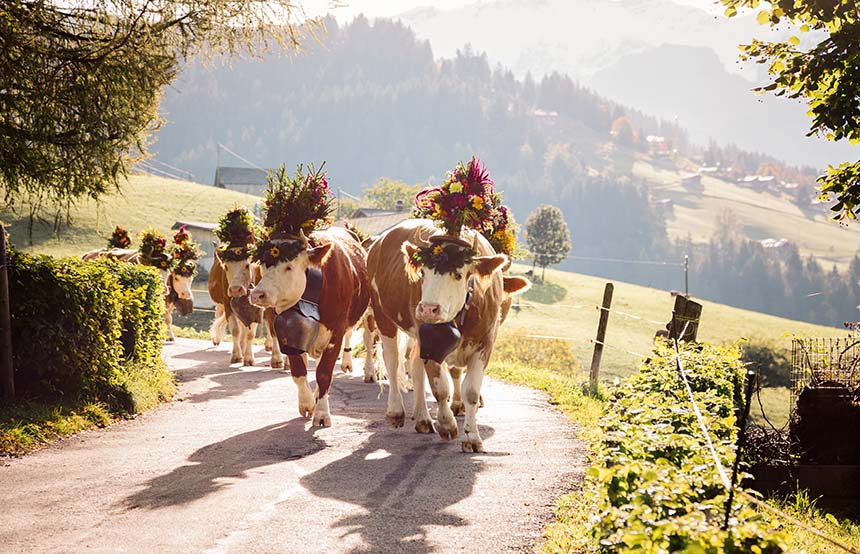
774, 243
242, 179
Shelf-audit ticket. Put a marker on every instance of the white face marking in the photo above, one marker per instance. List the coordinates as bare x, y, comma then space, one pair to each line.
283, 284
238, 277
442, 295
182, 286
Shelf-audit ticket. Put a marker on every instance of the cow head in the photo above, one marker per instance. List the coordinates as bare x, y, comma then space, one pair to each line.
284, 263
237, 268
445, 271
181, 283
165, 280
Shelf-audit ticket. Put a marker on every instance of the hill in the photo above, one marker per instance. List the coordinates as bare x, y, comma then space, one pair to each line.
143, 202
566, 307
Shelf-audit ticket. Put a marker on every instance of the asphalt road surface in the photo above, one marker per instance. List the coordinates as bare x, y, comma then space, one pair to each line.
230, 467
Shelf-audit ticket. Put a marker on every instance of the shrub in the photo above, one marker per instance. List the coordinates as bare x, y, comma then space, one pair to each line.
659, 490
78, 326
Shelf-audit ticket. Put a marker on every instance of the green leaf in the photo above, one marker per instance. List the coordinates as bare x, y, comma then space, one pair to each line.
763, 17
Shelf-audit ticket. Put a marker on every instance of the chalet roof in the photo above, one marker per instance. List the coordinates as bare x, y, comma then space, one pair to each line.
377, 224
195, 225
226, 176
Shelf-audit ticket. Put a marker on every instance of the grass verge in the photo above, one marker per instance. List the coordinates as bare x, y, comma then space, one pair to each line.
27, 426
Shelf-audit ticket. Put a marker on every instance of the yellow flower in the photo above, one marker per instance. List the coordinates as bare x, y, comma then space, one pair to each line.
163, 263
437, 249
456, 186
274, 252
477, 202
311, 223
237, 251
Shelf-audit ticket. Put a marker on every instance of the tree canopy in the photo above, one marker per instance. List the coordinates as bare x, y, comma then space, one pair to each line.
547, 235
80, 83
826, 76
385, 194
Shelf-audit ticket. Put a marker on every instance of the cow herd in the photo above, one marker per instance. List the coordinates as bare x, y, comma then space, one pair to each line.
331, 284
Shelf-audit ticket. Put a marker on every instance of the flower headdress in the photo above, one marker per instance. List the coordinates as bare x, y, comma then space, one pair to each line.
442, 256
501, 231
119, 238
186, 252
236, 232
152, 249
295, 207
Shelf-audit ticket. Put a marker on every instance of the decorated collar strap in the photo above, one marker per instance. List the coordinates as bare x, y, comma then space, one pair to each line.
444, 257
272, 252
232, 253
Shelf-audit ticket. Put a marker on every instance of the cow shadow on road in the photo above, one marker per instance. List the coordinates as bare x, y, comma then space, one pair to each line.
214, 465
408, 484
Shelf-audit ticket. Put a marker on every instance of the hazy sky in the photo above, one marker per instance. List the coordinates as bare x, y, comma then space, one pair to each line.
386, 8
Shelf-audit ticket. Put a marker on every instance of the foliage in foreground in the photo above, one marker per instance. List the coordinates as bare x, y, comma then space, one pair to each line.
84, 334
657, 485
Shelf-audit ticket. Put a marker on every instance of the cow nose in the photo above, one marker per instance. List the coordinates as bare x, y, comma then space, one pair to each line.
428, 311
236, 291
257, 296
185, 295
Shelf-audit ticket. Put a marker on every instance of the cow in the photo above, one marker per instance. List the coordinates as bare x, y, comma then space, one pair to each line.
229, 279
405, 295
131, 256
344, 295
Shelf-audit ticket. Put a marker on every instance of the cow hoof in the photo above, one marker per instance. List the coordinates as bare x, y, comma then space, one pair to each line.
322, 420
448, 433
346, 368
277, 364
268, 347
472, 446
249, 361
216, 342
396, 420
458, 408
305, 411
237, 359
369, 378
424, 426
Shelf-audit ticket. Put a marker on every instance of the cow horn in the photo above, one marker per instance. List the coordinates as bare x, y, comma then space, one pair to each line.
303, 238
475, 242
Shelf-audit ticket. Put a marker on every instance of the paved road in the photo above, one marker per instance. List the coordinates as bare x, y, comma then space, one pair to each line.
231, 468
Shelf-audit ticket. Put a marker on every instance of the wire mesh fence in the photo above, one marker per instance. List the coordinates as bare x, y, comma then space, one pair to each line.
824, 363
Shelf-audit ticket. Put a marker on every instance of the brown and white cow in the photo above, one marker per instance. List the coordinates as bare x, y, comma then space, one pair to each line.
343, 299
405, 296
235, 279
178, 294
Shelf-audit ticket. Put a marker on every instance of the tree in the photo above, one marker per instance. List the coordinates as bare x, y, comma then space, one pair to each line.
80, 84
826, 76
547, 236
386, 193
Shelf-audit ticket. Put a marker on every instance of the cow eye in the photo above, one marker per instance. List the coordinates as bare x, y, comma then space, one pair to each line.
288, 268
458, 276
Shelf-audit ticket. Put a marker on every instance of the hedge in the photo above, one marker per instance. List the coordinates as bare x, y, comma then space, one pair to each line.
658, 488
86, 331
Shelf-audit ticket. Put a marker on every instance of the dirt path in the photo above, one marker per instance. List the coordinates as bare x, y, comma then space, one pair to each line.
231, 467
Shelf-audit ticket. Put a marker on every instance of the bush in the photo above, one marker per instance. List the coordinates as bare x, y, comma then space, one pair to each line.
770, 360
659, 490
79, 327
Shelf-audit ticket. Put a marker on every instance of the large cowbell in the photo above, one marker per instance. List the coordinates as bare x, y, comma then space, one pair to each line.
245, 311
297, 328
437, 340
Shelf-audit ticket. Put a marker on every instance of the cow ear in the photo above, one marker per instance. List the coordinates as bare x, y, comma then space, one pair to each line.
317, 254
413, 268
516, 285
486, 265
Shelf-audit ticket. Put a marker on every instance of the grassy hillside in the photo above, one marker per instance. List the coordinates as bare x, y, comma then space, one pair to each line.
144, 201
566, 306
761, 215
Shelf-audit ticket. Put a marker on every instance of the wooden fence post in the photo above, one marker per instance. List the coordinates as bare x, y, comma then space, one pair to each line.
686, 314
601, 336
7, 375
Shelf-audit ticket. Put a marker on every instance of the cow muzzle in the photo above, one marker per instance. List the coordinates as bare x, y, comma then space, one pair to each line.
260, 298
185, 295
236, 292
428, 313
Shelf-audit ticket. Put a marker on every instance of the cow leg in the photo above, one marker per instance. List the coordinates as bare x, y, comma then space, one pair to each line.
248, 345
216, 331
277, 357
168, 320
472, 396
269, 344
457, 401
446, 425
325, 370
346, 358
420, 413
369, 354
395, 413
236, 327
299, 371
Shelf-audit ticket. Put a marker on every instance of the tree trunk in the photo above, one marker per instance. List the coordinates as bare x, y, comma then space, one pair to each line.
543, 274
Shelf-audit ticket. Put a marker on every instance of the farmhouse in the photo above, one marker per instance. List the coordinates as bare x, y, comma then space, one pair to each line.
242, 179
204, 234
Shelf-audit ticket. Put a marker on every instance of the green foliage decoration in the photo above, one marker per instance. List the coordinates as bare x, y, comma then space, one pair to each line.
301, 203
657, 486
236, 232
185, 253
153, 250
443, 258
